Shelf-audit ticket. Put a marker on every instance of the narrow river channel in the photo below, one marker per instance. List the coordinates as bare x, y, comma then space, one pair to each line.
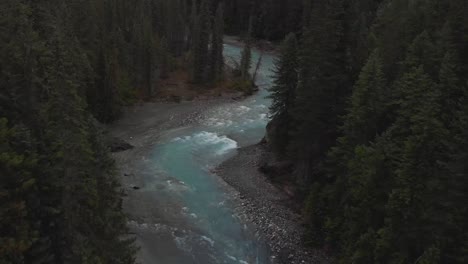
196, 221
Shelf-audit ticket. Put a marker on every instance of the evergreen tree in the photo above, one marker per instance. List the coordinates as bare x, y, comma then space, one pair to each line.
321, 88
283, 90
385, 179
366, 114
164, 57
246, 55
246, 61
193, 20
217, 59
200, 43
358, 165
18, 189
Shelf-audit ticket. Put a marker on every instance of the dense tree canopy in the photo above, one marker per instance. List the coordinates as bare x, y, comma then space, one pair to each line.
63, 66
380, 150
370, 102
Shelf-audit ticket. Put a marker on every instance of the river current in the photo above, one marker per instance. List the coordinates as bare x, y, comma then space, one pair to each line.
207, 229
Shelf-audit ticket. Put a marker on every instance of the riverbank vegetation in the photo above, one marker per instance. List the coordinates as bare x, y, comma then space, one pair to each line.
370, 105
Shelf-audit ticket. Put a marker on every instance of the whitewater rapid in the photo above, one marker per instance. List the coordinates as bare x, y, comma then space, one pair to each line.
187, 215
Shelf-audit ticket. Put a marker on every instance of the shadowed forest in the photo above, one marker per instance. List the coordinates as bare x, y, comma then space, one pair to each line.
368, 121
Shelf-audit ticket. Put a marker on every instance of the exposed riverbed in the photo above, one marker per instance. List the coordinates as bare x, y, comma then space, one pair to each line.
179, 209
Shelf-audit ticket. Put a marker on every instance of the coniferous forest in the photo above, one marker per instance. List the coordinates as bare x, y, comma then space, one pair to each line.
369, 105
380, 154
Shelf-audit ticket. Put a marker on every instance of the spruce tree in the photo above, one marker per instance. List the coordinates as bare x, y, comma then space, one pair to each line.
356, 165
246, 55
403, 238
18, 193
164, 59
200, 51
366, 113
283, 90
246, 62
217, 59
321, 91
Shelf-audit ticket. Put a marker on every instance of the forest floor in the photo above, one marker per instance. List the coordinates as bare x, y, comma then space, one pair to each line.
272, 211
178, 87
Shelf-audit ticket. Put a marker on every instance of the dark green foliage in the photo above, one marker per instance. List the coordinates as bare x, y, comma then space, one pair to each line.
321, 88
217, 59
201, 37
63, 64
246, 61
366, 113
18, 189
386, 172
273, 18
206, 39
283, 90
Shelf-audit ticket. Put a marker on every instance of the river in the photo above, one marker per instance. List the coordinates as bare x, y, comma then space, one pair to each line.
184, 213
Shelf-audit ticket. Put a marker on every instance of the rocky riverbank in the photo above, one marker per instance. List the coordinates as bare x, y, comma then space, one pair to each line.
273, 213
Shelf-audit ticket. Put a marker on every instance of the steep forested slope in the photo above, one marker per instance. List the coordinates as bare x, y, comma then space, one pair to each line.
380, 152
63, 66
370, 104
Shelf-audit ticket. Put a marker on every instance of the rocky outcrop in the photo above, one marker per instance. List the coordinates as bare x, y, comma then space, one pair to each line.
117, 144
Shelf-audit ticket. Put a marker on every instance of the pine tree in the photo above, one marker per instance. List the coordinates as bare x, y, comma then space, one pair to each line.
18, 190
321, 88
217, 59
366, 113
283, 90
164, 57
246, 55
200, 43
193, 20
356, 165
246, 62
422, 135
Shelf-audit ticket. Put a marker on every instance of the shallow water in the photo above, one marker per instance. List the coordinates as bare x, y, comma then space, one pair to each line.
181, 163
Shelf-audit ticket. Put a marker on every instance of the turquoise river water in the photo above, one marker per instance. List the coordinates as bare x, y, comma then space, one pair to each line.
211, 233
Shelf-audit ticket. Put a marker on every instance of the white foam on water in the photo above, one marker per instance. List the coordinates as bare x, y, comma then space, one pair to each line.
177, 186
219, 122
209, 138
243, 262
176, 139
231, 257
263, 116
209, 240
242, 110
182, 244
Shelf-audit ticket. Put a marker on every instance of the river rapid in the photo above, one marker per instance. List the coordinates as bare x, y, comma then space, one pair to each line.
181, 212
